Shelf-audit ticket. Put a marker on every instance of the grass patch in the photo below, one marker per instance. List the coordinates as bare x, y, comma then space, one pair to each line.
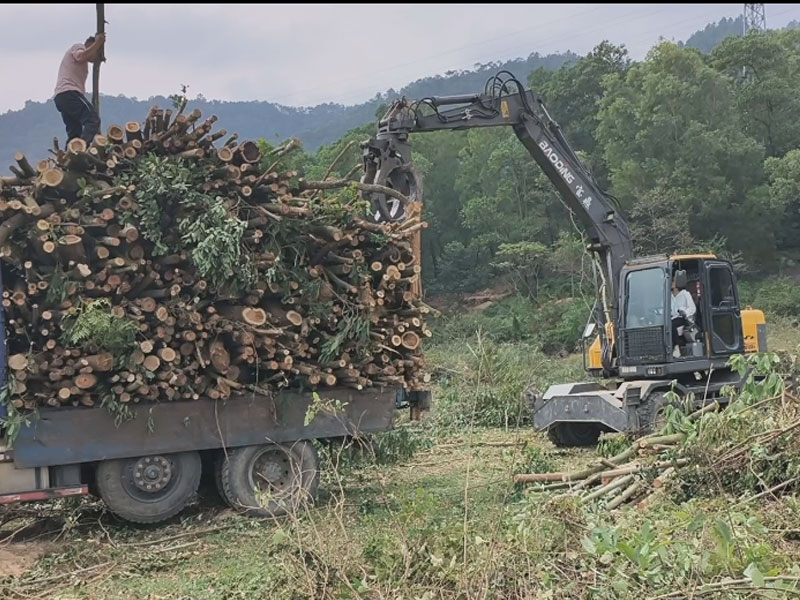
448, 524
480, 382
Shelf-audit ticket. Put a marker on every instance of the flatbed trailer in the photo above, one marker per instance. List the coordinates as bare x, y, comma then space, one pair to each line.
146, 468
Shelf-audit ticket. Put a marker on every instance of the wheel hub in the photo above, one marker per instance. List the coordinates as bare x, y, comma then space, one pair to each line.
152, 473
271, 470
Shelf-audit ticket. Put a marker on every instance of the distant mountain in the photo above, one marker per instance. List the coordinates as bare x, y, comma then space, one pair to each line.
31, 130
712, 35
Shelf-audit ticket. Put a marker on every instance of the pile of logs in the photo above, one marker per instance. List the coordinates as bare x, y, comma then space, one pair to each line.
637, 474
333, 303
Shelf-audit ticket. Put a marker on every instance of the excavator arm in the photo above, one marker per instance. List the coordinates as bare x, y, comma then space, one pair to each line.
387, 161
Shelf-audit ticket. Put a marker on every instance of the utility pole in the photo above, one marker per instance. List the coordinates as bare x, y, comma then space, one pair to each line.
754, 17
101, 28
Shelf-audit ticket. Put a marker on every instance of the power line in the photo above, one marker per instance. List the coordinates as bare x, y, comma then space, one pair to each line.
646, 34
576, 37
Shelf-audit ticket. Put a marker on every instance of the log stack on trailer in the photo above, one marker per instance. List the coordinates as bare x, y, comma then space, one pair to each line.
168, 262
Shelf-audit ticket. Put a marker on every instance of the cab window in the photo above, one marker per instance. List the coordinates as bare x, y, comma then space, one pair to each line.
644, 306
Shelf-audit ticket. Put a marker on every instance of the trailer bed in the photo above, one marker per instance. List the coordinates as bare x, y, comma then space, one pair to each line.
64, 436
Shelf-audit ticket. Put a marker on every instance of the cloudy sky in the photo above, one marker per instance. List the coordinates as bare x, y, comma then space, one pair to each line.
302, 55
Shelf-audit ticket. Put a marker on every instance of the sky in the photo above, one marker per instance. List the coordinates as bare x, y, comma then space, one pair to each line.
307, 54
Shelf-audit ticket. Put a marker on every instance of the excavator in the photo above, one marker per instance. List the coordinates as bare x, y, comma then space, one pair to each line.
630, 346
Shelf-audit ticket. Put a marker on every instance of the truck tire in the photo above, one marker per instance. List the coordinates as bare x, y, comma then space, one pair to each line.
222, 456
149, 489
270, 480
574, 434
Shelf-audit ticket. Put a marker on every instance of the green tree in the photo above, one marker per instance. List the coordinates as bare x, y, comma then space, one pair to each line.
714, 34
436, 156
573, 92
765, 69
784, 192
678, 158
524, 261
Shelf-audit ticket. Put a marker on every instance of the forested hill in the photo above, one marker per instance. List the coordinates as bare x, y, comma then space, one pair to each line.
712, 35
31, 129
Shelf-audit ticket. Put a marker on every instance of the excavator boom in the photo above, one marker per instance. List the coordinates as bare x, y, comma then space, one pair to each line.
505, 103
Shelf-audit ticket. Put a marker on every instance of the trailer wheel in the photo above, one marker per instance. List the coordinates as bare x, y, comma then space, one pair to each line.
574, 434
270, 480
219, 464
149, 489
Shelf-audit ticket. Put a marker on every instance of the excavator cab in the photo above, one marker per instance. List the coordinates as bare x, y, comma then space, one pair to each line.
717, 329
649, 344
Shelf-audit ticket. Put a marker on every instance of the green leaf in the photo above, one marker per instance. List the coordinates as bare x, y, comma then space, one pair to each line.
723, 531
279, 536
589, 545
619, 585
754, 575
629, 552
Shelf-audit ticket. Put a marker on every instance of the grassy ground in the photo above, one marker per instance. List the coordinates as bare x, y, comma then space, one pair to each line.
442, 520
374, 528
446, 524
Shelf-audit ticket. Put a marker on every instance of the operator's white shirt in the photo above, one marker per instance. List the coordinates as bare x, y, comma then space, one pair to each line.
683, 301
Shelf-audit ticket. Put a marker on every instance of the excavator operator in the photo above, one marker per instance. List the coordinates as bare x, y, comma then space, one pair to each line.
683, 309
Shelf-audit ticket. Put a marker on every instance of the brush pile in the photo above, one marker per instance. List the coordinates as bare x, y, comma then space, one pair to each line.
751, 449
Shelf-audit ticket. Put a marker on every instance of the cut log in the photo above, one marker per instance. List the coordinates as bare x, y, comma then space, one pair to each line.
78, 237
76, 146
151, 363
168, 355
133, 131
249, 152
410, 340
18, 362
116, 134
220, 357
85, 381
24, 165
249, 314
98, 362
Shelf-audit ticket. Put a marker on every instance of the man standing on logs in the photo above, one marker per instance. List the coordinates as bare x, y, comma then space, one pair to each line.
79, 116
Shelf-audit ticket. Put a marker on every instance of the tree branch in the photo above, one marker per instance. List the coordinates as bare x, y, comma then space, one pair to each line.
371, 188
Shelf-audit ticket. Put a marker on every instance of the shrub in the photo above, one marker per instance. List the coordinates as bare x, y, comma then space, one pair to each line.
776, 297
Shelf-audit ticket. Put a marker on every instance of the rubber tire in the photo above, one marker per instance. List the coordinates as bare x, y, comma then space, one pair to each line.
574, 434
109, 485
651, 416
238, 489
218, 465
